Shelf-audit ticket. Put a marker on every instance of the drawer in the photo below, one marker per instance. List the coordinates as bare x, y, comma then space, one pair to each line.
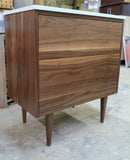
59, 78
66, 37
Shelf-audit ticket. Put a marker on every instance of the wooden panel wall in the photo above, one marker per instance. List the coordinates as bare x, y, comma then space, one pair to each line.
22, 60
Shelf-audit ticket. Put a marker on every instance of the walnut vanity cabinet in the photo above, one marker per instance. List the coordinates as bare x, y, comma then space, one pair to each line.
58, 60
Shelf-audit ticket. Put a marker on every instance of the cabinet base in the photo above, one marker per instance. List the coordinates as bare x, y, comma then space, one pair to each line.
49, 119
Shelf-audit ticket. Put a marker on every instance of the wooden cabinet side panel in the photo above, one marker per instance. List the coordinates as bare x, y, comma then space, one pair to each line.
22, 60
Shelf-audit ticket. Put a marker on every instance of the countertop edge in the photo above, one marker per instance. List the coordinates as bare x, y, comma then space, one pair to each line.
61, 10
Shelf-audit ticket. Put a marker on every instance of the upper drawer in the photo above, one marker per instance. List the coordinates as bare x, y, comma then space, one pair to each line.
63, 37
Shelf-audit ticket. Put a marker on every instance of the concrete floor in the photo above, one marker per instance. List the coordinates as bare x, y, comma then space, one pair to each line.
77, 134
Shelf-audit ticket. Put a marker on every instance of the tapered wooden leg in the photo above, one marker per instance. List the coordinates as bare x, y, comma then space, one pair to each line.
24, 112
103, 109
49, 126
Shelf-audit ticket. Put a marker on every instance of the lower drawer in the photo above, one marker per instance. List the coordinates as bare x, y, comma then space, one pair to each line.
119, 9
71, 81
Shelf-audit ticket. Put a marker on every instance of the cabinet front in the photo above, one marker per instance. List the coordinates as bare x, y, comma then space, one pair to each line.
78, 60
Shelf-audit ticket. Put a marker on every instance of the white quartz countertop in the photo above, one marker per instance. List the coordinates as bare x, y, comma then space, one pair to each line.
62, 10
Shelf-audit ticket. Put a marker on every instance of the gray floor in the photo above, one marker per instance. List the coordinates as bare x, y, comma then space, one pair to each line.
77, 133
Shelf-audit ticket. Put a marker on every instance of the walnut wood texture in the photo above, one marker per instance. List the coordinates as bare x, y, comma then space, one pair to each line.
3, 90
71, 81
57, 60
49, 127
71, 37
77, 61
103, 109
22, 60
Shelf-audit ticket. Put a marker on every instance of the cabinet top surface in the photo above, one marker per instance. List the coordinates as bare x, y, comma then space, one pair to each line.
62, 10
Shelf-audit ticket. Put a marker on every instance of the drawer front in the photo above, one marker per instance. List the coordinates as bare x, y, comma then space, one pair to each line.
66, 37
70, 81
112, 9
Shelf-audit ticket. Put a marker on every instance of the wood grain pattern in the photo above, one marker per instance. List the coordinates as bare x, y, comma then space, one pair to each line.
66, 101
58, 60
74, 76
75, 53
70, 35
3, 90
22, 60
78, 16
75, 61
63, 76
